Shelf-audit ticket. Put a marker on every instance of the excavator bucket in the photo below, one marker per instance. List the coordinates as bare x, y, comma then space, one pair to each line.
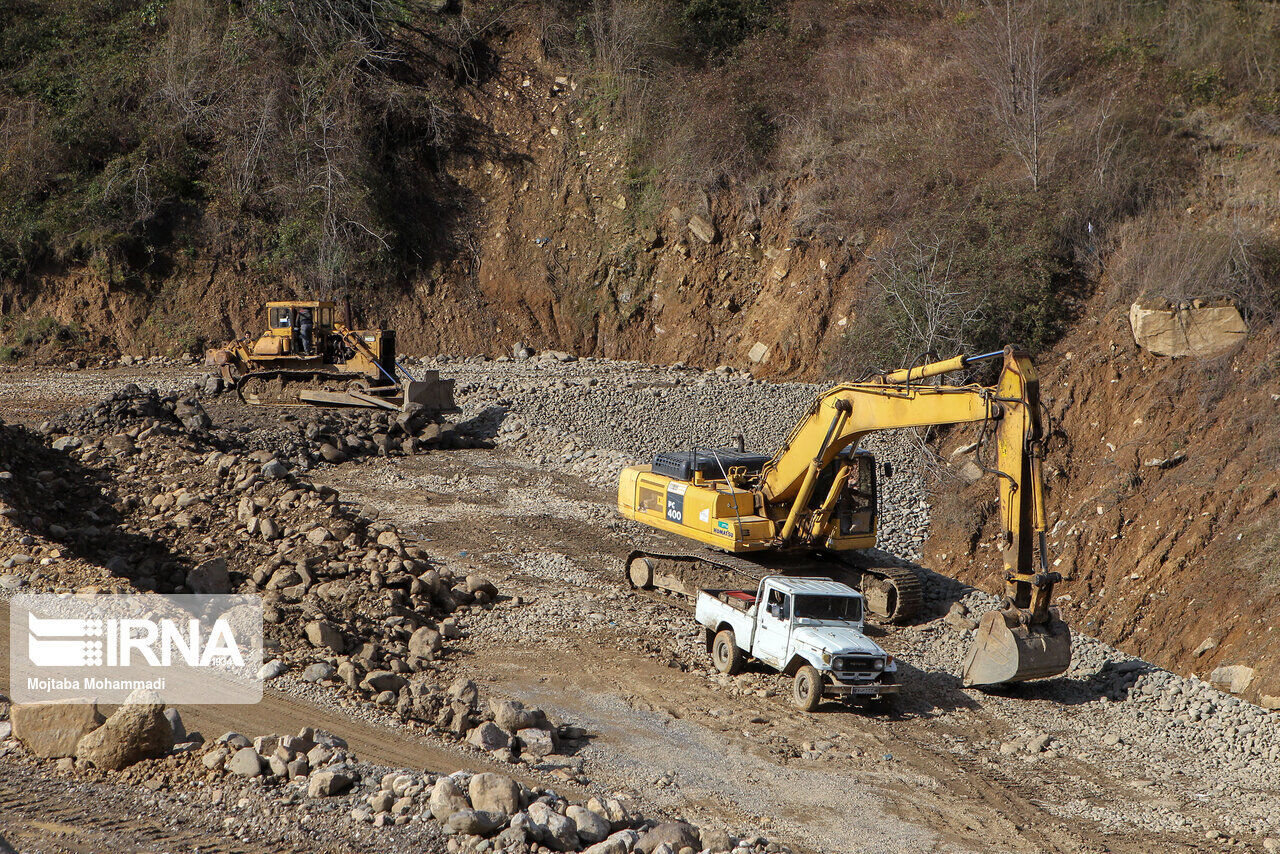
1009, 649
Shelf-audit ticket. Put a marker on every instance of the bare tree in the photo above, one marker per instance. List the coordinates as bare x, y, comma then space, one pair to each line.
1014, 62
919, 305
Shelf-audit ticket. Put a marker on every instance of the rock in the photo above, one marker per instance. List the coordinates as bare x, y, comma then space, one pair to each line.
318, 535
271, 669
758, 353
591, 827
552, 829
536, 742
463, 690
1270, 702
716, 841
677, 834
119, 445
175, 723
446, 799
67, 443
621, 842
331, 454
274, 470
210, 577
318, 672
327, 784
245, 762
350, 673
425, 643
487, 736
215, 759
1187, 329
1235, 678
512, 716
383, 680
51, 730
473, 822
322, 633
1205, 645
703, 229
612, 809
494, 793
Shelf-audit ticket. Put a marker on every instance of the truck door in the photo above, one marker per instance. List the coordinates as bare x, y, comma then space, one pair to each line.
774, 631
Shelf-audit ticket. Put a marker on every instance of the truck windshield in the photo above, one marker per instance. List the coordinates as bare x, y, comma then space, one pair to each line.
845, 609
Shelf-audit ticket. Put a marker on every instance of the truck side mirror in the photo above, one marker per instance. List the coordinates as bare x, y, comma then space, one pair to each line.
888, 470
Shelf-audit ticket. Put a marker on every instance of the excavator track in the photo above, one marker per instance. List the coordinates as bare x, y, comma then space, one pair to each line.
893, 593
281, 387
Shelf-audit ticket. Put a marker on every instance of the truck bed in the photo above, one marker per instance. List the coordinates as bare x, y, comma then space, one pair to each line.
742, 600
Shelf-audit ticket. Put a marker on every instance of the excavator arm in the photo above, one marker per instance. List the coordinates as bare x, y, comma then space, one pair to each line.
1025, 639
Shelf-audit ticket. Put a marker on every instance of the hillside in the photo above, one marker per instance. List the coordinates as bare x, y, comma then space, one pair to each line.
807, 189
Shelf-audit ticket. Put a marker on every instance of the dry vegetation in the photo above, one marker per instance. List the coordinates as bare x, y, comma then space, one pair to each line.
984, 164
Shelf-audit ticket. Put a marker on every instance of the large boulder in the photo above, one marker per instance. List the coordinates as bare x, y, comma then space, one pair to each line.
425, 643
327, 784
621, 842
138, 730
536, 742
677, 834
1235, 678
447, 798
52, 730
512, 716
494, 793
552, 829
474, 822
591, 826
1194, 328
322, 633
488, 737
245, 762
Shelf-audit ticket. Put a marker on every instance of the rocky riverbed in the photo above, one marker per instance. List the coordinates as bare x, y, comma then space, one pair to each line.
429, 589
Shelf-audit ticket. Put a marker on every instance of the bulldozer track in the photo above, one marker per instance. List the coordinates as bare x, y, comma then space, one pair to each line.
280, 387
905, 581
39, 820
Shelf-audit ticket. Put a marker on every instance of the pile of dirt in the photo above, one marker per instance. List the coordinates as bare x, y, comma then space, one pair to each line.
1162, 481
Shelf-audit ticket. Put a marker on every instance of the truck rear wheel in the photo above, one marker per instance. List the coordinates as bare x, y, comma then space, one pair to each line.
726, 655
806, 689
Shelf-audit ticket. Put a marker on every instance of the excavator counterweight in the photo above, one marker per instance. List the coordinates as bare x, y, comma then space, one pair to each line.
811, 508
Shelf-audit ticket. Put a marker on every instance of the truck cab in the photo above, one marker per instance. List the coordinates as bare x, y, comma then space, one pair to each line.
808, 628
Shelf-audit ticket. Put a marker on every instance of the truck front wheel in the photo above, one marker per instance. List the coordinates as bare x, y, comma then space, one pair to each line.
806, 690
726, 654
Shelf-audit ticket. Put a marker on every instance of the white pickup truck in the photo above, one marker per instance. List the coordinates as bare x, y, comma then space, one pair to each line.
808, 628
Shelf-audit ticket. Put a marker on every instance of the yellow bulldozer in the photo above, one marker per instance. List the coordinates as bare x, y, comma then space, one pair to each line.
810, 507
307, 356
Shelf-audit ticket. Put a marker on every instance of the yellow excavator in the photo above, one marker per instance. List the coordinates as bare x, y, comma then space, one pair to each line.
807, 509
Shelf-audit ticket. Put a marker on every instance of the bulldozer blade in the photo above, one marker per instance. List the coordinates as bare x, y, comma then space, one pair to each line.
1008, 649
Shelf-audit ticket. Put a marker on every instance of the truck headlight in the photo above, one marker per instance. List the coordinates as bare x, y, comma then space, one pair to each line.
878, 664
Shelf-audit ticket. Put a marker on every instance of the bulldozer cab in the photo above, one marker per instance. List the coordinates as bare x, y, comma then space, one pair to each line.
284, 318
